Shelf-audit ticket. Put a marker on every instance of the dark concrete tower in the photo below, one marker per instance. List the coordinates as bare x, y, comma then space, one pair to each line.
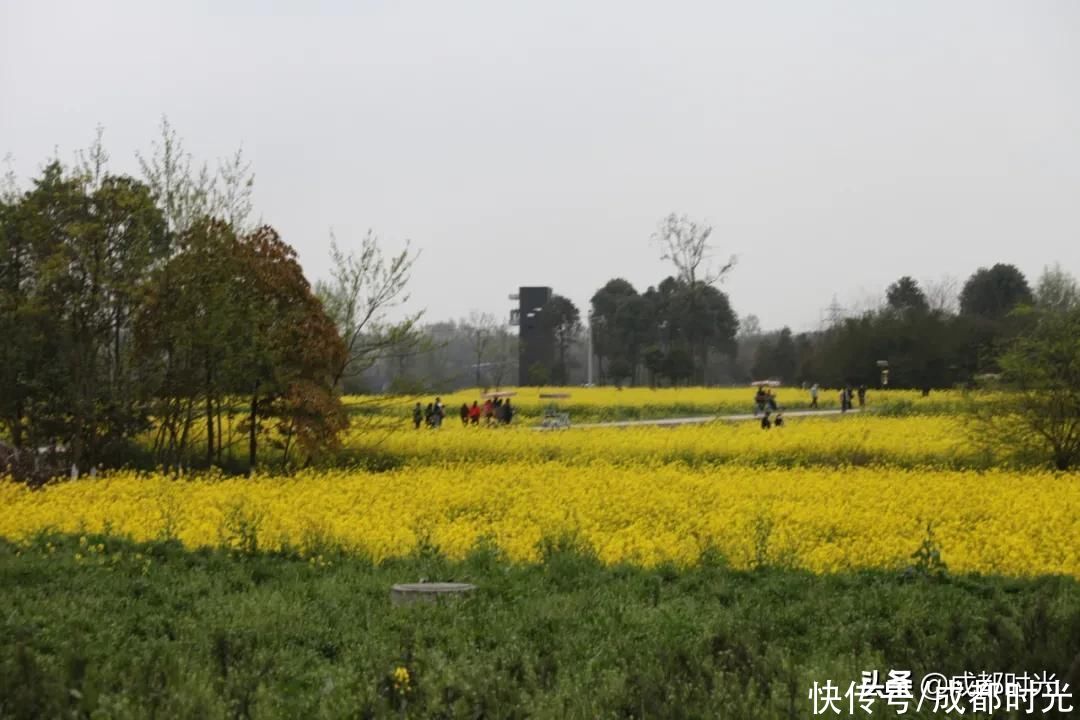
536, 338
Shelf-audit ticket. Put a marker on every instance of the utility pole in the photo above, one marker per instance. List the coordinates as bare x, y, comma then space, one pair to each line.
590, 364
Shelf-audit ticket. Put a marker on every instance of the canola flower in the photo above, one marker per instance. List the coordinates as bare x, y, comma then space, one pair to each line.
402, 680
821, 519
855, 439
598, 402
377, 416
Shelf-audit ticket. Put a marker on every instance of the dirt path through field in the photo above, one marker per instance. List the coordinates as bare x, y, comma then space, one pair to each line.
703, 419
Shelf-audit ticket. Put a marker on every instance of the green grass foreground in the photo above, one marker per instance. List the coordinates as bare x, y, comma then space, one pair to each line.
105, 628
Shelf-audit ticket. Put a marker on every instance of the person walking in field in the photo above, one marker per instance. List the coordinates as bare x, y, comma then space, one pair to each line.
862, 396
464, 413
440, 412
429, 415
507, 412
417, 416
813, 395
474, 413
489, 411
765, 423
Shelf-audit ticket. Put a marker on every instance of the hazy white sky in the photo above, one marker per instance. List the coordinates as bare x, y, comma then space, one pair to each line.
834, 146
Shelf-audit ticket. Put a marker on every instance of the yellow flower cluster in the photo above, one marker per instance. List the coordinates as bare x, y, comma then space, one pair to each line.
933, 440
652, 402
402, 680
823, 519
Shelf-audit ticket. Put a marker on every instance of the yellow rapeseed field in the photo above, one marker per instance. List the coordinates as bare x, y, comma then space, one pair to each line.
935, 440
653, 402
822, 519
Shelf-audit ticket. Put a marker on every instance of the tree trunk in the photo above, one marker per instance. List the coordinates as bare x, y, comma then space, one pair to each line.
17, 426
288, 444
116, 369
209, 416
217, 405
252, 442
185, 433
209, 430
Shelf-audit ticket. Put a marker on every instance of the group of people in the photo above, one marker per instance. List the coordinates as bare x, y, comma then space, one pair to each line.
432, 416
765, 404
847, 396
767, 422
764, 401
497, 411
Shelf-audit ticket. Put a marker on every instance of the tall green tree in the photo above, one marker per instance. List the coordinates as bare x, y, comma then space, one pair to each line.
905, 295
229, 318
992, 293
1041, 414
75, 254
22, 317
193, 329
698, 318
564, 320
777, 358
608, 330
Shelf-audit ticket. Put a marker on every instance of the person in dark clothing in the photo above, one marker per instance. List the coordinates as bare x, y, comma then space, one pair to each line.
507, 412
779, 420
417, 415
464, 413
765, 423
429, 415
759, 400
862, 396
474, 413
771, 401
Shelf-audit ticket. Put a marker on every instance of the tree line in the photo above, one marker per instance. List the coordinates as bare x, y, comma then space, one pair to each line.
148, 319
925, 346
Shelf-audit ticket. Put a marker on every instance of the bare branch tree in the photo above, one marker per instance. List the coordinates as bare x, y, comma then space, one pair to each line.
481, 329
363, 288
942, 294
503, 355
90, 164
1057, 290
183, 194
749, 326
9, 184
232, 192
686, 244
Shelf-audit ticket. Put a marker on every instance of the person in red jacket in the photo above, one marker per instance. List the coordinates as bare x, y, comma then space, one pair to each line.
474, 413
489, 411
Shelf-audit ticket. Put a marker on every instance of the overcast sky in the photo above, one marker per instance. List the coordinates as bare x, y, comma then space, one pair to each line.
833, 146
